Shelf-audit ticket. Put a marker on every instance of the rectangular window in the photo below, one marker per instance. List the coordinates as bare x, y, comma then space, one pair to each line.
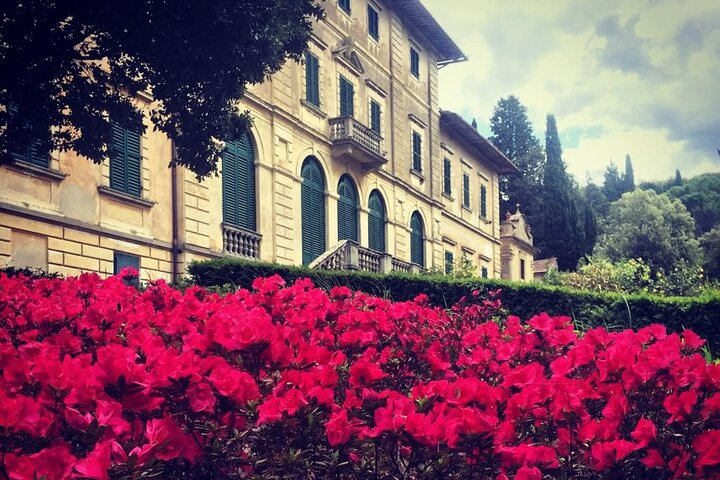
484, 272
466, 190
416, 152
312, 79
123, 260
125, 157
375, 116
483, 201
31, 154
449, 262
447, 177
347, 94
522, 269
373, 23
345, 5
414, 62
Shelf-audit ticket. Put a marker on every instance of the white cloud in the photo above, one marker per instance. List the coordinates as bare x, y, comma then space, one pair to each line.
641, 76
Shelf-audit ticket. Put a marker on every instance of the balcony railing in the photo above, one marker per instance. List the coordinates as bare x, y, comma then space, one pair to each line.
240, 242
348, 255
354, 140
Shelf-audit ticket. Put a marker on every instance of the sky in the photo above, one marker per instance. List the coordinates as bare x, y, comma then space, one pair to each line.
635, 77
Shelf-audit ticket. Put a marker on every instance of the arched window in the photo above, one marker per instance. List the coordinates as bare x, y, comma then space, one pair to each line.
376, 222
238, 183
313, 210
347, 209
417, 234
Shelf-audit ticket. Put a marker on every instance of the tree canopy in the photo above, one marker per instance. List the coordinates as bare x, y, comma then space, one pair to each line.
643, 224
69, 69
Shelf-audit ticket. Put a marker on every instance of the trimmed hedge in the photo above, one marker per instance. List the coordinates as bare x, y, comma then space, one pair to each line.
588, 309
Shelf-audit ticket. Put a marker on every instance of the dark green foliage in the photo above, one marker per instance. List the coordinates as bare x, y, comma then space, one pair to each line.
678, 178
701, 196
710, 244
513, 136
643, 224
590, 228
76, 65
629, 177
561, 234
588, 309
614, 185
595, 196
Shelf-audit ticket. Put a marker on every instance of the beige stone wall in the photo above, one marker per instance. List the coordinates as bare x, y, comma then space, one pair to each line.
71, 226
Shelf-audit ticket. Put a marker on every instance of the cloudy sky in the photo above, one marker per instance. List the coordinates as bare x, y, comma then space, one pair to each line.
637, 77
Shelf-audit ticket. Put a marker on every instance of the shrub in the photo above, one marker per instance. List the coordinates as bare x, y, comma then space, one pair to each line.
102, 381
588, 309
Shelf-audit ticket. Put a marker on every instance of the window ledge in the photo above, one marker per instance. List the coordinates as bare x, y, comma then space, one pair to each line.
418, 174
313, 108
466, 208
124, 197
485, 220
36, 171
448, 196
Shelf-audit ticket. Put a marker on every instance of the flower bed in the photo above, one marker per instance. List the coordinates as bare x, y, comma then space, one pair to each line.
100, 381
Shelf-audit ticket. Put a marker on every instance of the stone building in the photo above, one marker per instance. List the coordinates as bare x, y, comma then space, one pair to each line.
517, 250
349, 163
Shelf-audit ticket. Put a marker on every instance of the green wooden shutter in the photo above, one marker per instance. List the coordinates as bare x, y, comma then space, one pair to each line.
466, 190
417, 249
375, 116
414, 62
312, 79
417, 151
312, 197
376, 222
347, 210
32, 154
373, 23
347, 93
238, 188
125, 160
483, 201
447, 174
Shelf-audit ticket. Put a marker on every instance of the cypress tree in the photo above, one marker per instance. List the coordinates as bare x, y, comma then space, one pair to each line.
629, 177
562, 236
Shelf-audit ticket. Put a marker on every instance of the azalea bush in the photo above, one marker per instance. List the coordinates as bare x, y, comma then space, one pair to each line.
102, 381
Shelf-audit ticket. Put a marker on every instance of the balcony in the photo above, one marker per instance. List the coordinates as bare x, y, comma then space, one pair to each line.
356, 142
240, 242
348, 255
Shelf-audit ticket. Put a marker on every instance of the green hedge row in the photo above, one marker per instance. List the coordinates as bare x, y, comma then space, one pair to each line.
701, 314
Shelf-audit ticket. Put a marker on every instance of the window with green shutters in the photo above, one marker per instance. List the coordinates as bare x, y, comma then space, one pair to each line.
312, 79
417, 237
347, 94
31, 154
125, 161
449, 262
373, 23
484, 272
312, 199
416, 152
414, 62
347, 209
376, 222
375, 116
466, 190
345, 5
238, 183
483, 201
447, 177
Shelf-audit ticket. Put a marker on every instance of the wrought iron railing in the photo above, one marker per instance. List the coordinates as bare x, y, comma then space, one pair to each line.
240, 242
347, 128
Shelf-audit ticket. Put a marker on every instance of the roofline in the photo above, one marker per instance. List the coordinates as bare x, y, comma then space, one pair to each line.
420, 18
453, 121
